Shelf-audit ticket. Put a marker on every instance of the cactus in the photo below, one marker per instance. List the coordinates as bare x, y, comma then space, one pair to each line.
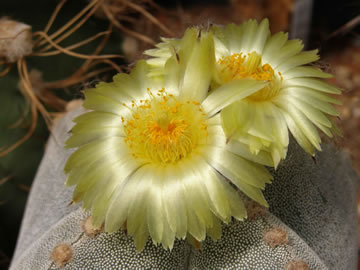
311, 223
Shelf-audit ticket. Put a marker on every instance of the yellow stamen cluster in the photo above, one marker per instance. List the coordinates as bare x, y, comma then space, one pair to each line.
163, 129
239, 66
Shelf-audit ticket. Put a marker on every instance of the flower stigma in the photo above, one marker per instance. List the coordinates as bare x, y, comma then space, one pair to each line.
163, 129
240, 66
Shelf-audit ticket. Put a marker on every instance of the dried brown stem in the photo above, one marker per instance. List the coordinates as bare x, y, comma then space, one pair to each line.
5, 179
22, 117
74, 46
54, 15
74, 28
76, 79
70, 23
346, 27
122, 28
150, 17
113, 64
99, 48
34, 115
74, 54
6, 70
24, 76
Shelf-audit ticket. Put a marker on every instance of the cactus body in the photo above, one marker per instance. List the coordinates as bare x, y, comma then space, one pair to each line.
313, 203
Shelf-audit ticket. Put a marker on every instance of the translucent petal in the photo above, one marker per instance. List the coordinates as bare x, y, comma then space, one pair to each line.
302, 58
316, 103
298, 90
220, 49
140, 76
229, 116
194, 190
97, 150
173, 200
248, 177
261, 36
157, 63
250, 28
103, 119
215, 190
84, 134
93, 191
138, 202
117, 213
124, 84
141, 236
215, 231
279, 130
335, 129
155, 210
95, 125
304, 124
316, 84
291, 48
197, 68
311, 113
298, 134
215, 120
196, 227
273, 46
232, 37
105, 169
237, 206
102, 200
305, 71
172, 76
261, 125
241, 149
228, 93
168, 237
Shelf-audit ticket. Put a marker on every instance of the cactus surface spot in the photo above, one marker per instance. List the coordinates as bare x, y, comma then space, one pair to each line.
254, 210
297, 265
90, 229
276, 237
62, 254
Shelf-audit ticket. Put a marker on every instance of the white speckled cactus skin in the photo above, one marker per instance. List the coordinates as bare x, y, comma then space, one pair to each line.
313, 202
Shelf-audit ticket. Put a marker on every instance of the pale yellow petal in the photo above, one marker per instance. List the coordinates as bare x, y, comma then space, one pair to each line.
262, 33
299, 136
155, 215
229, 93
273, 46
172, 76
302, 58
247, 176
232, 37
215, 231
194, 190
305, 71
250, 28
315, 84
303, 123
290, 48
197, 69
242, 149
316, 103
174, 202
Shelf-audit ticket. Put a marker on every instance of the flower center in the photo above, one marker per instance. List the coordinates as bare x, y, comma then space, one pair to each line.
163, 129
239, 66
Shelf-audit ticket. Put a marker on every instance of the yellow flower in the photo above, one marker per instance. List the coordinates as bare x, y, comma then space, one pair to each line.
292, 95
263, 85
150, 158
